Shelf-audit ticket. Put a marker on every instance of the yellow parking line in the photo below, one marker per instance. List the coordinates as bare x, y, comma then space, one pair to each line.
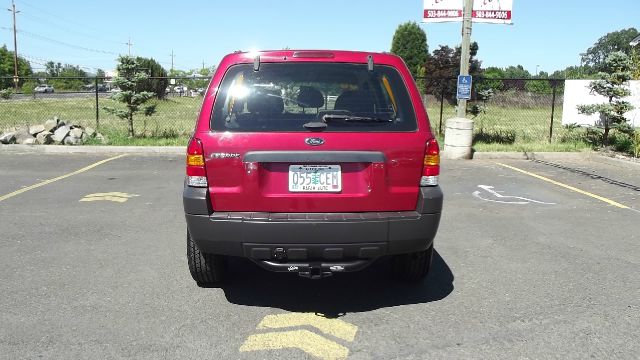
335, 327
304, 340
601, 198
45, 182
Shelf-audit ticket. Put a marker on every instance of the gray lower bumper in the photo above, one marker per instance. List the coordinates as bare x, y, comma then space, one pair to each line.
312, 236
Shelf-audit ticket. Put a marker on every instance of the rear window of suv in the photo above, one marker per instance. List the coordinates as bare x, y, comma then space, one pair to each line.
298, 96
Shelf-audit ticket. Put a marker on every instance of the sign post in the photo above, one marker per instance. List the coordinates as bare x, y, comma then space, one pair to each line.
464, 57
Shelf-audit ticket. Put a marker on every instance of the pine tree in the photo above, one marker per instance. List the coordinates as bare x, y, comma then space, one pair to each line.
130, 76
613, 84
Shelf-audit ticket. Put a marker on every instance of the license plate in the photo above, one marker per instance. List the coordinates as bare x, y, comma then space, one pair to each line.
315, 178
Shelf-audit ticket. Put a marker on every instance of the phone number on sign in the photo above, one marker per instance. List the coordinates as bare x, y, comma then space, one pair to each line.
492, 14
442, 13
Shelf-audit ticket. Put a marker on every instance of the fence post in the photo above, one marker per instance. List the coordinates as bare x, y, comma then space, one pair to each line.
553, 108
441, 108
97, 106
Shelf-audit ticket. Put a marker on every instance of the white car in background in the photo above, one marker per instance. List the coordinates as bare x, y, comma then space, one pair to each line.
43, 88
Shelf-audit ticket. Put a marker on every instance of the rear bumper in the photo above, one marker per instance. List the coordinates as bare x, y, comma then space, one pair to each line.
305, 237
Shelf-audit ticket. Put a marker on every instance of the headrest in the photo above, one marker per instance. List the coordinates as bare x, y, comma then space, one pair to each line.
310, 97
355, 102
265, 103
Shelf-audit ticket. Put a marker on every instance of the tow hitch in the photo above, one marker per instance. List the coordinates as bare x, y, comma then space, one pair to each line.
315, 270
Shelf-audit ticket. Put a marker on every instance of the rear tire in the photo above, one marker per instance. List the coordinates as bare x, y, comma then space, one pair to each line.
412, 267
206, 269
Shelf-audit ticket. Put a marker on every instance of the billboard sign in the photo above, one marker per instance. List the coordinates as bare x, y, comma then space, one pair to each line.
484, 11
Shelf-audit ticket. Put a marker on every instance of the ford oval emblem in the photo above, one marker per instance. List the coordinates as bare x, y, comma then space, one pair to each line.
314, 141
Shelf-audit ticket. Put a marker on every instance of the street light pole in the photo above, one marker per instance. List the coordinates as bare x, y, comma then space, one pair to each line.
15, 46
465, 54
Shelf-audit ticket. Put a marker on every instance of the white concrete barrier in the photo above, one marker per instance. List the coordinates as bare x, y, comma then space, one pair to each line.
458, 136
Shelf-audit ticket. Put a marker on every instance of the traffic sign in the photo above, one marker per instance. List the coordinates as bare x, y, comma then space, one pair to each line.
464, 87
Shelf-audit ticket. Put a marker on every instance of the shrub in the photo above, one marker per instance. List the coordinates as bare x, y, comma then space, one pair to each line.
495, 136
6, 93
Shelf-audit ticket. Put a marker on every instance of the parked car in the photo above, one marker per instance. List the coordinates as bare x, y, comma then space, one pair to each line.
43, 88
181, 89
276, 175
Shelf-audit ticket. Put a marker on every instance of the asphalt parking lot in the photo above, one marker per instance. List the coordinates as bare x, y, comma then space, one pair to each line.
534, 260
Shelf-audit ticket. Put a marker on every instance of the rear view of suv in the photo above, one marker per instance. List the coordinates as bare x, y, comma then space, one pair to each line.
312, 162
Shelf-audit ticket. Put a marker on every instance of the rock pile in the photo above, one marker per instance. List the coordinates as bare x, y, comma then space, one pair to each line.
53, 131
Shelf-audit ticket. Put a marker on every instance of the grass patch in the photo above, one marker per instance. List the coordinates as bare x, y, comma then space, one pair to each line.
503, 128
177, 115
533, 147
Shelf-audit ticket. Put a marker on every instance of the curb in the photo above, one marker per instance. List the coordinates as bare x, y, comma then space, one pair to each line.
89, 149
180, 150
499, 155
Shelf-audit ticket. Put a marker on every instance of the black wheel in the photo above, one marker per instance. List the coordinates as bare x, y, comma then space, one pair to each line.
412, 267
206, 269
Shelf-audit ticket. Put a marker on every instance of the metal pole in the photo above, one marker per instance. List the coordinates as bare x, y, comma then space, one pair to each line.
441, 108
15, 46
553, 109
465, 53
97, 106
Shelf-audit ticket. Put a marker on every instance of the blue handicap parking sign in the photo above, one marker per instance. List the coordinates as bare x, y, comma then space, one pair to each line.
464, 87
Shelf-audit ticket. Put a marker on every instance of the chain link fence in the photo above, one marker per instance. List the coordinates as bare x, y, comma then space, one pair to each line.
505, 110
82, 101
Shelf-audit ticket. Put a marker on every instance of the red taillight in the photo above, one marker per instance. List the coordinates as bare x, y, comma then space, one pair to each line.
196, 174
431, 164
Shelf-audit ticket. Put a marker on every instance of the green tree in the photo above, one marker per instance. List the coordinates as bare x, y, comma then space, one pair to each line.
128, 80
157, 81
100, 74
635, 63
410, 43
612, 42
53, 69
491, 79
613, 84
539, 84
68, 77
7, 69
574, 73
443, 66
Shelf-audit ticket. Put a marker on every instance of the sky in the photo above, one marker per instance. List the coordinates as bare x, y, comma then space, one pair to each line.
546, 35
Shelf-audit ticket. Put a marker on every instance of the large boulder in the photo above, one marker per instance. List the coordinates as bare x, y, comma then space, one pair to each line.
50, 125
60, 134
8, 137
29, 141
44, 138
72, 140
36, 129
22, 136
76, 132
89, 131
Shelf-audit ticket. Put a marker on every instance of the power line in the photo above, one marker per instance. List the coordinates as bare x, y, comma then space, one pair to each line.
41, 37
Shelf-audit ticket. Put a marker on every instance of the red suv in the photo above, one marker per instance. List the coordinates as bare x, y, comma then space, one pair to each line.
312, 162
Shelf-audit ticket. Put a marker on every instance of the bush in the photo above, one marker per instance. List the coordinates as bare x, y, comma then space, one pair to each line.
28, 86
495, 136
622, 143
573, 133
6, 93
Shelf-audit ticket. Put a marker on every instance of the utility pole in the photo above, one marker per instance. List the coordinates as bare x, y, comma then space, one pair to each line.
129, 44
16, 78
464, 57
172, 57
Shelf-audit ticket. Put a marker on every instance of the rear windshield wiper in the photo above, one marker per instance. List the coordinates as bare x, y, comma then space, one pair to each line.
351, 118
